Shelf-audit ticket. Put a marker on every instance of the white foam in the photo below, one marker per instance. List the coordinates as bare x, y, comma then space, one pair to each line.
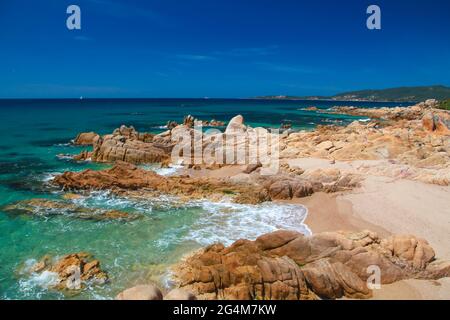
223, 222
173, 169
48, 176
44, 280
64, 144
227, 222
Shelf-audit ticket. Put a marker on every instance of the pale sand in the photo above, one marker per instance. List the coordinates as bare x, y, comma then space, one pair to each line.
386, 206
414, 290
406, 207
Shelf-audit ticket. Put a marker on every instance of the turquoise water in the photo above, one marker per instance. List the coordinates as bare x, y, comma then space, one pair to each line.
34, 132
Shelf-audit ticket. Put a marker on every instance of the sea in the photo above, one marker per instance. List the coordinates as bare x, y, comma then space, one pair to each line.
35, 144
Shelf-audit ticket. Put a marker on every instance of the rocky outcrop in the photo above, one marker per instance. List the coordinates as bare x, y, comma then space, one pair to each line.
126, 144
415, 112
86, 139
72, 271
189, 122
236, 125
125, 177
255, 188
52, 208
437, 122
288, 265
418, 140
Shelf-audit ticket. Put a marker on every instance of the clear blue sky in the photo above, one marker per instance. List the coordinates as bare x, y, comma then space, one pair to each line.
227, 48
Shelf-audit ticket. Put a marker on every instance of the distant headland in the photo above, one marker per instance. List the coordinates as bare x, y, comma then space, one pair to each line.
401, 94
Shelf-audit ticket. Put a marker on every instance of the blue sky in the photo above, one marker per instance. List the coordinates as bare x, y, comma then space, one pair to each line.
227, 48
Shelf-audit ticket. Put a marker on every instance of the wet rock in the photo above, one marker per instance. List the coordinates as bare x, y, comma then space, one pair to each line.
125, 177
73, 271
83, 156
51, 208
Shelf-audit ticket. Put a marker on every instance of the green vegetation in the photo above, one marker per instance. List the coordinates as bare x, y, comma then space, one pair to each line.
398, 94
444, 104
403, 94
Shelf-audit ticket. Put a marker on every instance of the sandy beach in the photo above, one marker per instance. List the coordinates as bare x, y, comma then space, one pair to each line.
389, 206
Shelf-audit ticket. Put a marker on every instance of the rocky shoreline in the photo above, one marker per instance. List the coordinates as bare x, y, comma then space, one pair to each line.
403, 144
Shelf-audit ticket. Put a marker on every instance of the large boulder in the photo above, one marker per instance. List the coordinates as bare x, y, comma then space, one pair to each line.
86, 139
180, 294
289, 265
124, 144
141, 292
236, 125
437, 122
113, 148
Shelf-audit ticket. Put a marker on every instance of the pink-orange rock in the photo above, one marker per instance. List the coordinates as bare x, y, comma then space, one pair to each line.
288, 265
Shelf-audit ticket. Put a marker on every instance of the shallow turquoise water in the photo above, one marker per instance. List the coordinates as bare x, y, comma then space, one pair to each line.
34, 132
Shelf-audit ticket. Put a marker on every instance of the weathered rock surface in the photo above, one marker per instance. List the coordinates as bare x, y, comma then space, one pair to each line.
124, 144
124, 176
236, 125
416, 137
256, 189
289, 265
86, 139
141, 292
49, 208
69, 267
180, 294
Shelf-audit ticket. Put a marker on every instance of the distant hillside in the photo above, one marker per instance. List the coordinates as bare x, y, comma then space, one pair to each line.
403, 94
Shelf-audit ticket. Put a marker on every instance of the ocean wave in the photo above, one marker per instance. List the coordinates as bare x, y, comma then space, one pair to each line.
48, 176
63, 144
44, 279
173, 169
65, 156
227, 222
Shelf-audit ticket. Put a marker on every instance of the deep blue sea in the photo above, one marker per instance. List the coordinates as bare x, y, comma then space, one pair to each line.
34, 132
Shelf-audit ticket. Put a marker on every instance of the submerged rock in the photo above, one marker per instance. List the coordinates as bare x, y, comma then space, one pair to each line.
288, 265
48, 208
125, 176
72, 272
